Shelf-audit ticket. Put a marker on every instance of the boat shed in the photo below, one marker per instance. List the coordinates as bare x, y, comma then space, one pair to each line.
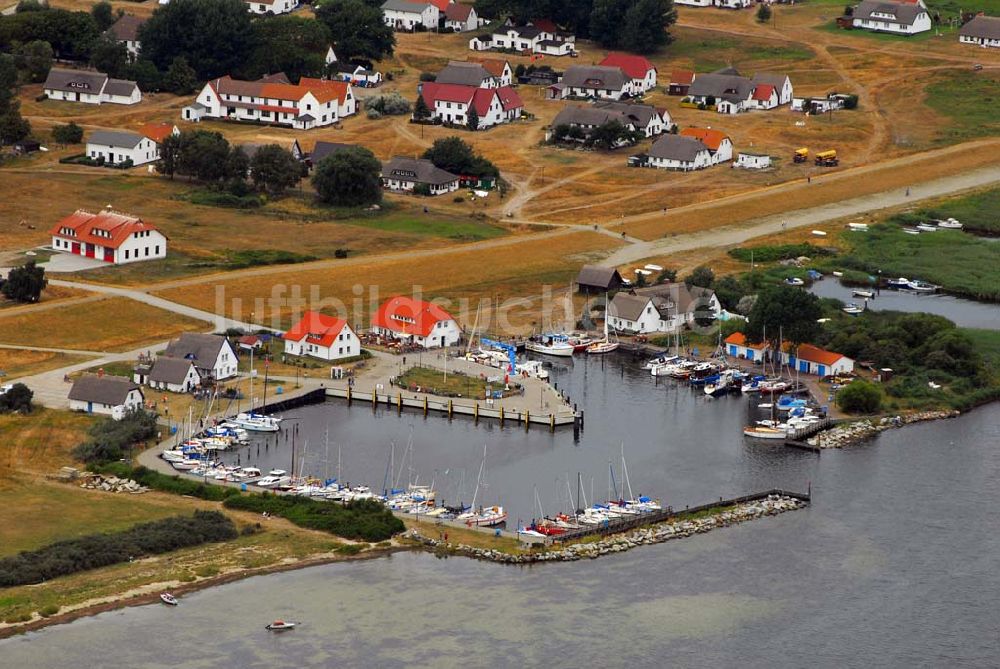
597, 279
738, 347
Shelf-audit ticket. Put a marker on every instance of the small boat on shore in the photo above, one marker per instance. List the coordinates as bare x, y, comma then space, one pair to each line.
279, 626
852, 309
794, 281
859, 292
950, 223
927, 227
168, 599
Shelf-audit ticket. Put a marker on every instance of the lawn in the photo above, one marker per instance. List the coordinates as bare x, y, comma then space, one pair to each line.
947, 33
707, 53
436, 382
15, 363
970, 101
115, 324
36, 445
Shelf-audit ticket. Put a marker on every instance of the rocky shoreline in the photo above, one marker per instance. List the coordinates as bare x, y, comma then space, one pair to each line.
852, 434
655, 534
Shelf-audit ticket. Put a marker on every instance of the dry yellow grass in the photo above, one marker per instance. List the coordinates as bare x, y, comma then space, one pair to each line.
108, 325
515, 268
15, 363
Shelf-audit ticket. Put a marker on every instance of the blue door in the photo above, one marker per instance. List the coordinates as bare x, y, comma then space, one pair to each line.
822, 370
90, 407
804, 366
749, 354
732, 350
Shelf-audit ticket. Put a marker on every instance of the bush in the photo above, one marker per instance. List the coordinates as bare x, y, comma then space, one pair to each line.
171, 484
100, 550
213, 198
774, 252
860, 397
16, 400
367, 520
110, 439
48, 611
428, 76
387, 104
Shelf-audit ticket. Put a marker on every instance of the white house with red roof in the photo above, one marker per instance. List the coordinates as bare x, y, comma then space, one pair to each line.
423, 323
450, 103
312, 103
642, 72
461, 17
320, 336
109, 236
811, 359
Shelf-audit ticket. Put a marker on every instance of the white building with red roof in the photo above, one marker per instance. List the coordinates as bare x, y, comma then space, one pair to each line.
312, 103
109, 236
423, 323
450, 103
641, 71
320, 336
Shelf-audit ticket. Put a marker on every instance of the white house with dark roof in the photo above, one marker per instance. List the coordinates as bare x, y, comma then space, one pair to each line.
529, 38
89, 87
126, 31
406, 174
467, 74
213, 355
592, 81
106, 395
733, 93
274, 7
660, 308
900, 18
407, 14
175, 375
675, 152
982, 30
646, 119
117, 147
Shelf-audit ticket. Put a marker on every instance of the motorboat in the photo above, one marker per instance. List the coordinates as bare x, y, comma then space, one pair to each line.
763, 432
168, 599
902, 283
274, 480
911, 231
950, 223
661, 360
927, 227
256, 422
853, 309
794, 281
186, 465
858, 292
550, 345
486, 517
279, 626
857, 227
923, 287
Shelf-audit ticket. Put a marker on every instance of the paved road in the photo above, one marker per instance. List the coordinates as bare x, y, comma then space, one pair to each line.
737, 234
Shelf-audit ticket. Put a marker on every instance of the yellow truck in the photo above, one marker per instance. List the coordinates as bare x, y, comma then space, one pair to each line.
827, 158
801, 155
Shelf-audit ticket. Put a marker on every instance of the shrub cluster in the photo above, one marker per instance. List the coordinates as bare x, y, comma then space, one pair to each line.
167, 483
110, 439
772, 252
364, 519
100, 550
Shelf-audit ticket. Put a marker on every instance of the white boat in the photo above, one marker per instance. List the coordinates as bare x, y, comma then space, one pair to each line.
900, 283
550, 346
838, 274
273, 481
173, 455
795, 281
662, 360
604, 345
858, 227
168, 599
857, 292
279, 626
911, 231
487, 517
818, 233
256, 422
927, 227
922, 287
533, 368
185, 465
763, 432
951, 223
853, 309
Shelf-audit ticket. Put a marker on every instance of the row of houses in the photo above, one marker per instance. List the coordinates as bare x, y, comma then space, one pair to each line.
804, 358
539, 37
646, 119
691, 149
732, 93
616, 77
411, 15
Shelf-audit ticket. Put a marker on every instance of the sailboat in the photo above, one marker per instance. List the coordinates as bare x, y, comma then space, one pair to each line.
484, 517
604, 345
548, 344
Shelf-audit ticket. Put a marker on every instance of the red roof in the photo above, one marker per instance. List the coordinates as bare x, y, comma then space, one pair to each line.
408, 316
494, 66
815, 354
740, 339
107, 228
456, 11
710, 138
634, 66
272, 87
157, 131
548, 25
763, 92
682, 77
481, 98
316, 328
440, 4
509, 98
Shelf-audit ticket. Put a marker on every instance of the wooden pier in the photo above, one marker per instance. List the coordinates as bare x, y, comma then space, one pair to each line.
477, 410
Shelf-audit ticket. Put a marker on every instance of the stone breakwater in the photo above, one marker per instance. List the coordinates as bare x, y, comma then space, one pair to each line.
849, 434
113, 484
618, 543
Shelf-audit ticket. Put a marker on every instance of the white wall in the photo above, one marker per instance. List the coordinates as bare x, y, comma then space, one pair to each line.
145, 152
702, 160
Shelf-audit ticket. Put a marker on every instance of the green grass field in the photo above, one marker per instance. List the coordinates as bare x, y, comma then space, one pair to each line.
970, 101
977, 212
946, 33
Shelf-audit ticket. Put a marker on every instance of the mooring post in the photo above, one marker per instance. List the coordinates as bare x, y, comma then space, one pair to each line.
348, 396
527, 419
501, 415
399, 402
552, 422
451, 408
425, 405
475, 412
374, 397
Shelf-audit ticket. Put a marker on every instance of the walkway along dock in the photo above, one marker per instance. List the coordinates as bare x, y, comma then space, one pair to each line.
488, 409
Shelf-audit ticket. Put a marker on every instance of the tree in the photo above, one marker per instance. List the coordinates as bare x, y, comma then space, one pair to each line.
860, 397
605, 21
70, 133
349, 178
25, 283
789, 310
472, 119
202, 155
700, 276
13, 127
17, 399
453, 155
29, 6
104, 15
71, 35
144, 73
274, 169
110, 57
763, 13
237, 168
291, 44
170, 149
421, 112
215, 36
35, 58
644, 27
357, 29
180, 79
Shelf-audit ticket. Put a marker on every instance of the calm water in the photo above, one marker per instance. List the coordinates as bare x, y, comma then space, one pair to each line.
680, 446
894, 565
965, 313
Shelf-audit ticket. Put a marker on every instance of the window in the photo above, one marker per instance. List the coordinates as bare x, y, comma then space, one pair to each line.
126, 254
147, 250
157, 251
